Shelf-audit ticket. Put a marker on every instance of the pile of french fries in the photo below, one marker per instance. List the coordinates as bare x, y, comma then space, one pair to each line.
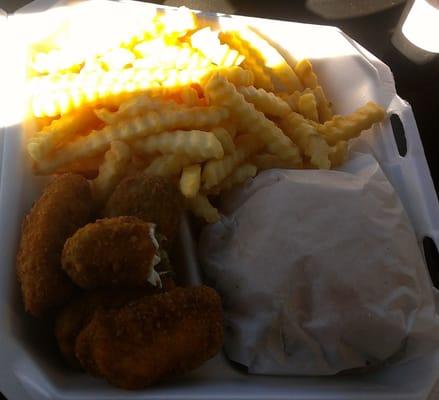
209, 109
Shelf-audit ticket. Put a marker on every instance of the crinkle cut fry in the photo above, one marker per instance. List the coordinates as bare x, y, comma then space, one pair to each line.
323, 105
308, 139
168, 165
221, 92
151, 123
193, 143
238, 176
201, 207
306, 74
111, 171
271, 59
134, 107
236, 75
52, 97
338, 153
226, 140
308, 106
291, 99
189, 96
59, 130
206, 41
156, 53
215, 171
266, 102
251, 62
190, 180
351, 125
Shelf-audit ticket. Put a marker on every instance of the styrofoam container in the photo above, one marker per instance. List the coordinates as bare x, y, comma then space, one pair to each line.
31, 368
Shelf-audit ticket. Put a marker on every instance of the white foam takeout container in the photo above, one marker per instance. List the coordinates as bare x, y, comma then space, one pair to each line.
351, 76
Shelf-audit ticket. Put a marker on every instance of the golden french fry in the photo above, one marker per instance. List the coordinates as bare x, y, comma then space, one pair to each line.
52, 96
201, 207
236, 75
193, 144
323, 105
215, 171
270, 161
168, 165
221, 92
111, 171
308, 139
157, 54
151, 123
117, 58
237, 177
147, 49
56, 61
208, 43
189, 96
134, 107
338, 153
230, 126
350, 126
271, 59
92, 65
291, 99
225, 139
190, 181
60, 130
261, 77
264, 101
306, 74
308, 106
177, 23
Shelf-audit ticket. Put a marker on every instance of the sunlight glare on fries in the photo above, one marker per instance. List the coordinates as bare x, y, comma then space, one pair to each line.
166, 93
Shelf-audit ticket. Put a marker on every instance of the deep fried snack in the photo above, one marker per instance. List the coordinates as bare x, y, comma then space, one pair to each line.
151, 123
151, 198
223, 93
120, 251
78, 312
153, 338
111, 171
64, 207
168, 165
190, 180
193, 144
201, 207
350, 126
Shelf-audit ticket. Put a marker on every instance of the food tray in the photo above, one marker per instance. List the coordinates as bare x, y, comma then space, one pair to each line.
351, 76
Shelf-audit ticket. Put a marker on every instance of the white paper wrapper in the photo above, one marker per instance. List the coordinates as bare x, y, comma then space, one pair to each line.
319, 272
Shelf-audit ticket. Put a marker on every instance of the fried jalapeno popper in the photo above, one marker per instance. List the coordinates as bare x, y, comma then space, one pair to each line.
153, 338
120, 251
79, 311
64, 207
150, 198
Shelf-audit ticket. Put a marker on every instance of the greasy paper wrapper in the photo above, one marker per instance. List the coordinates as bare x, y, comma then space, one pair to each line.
319, 272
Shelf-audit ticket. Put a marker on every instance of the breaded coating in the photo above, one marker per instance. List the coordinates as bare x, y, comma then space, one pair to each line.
79, 311
120, 251
65, 205
151, 198
153, 338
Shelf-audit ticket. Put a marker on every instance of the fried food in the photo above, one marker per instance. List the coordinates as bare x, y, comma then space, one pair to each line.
78, 312
65, 205
119, 251
153, 338
151, 198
